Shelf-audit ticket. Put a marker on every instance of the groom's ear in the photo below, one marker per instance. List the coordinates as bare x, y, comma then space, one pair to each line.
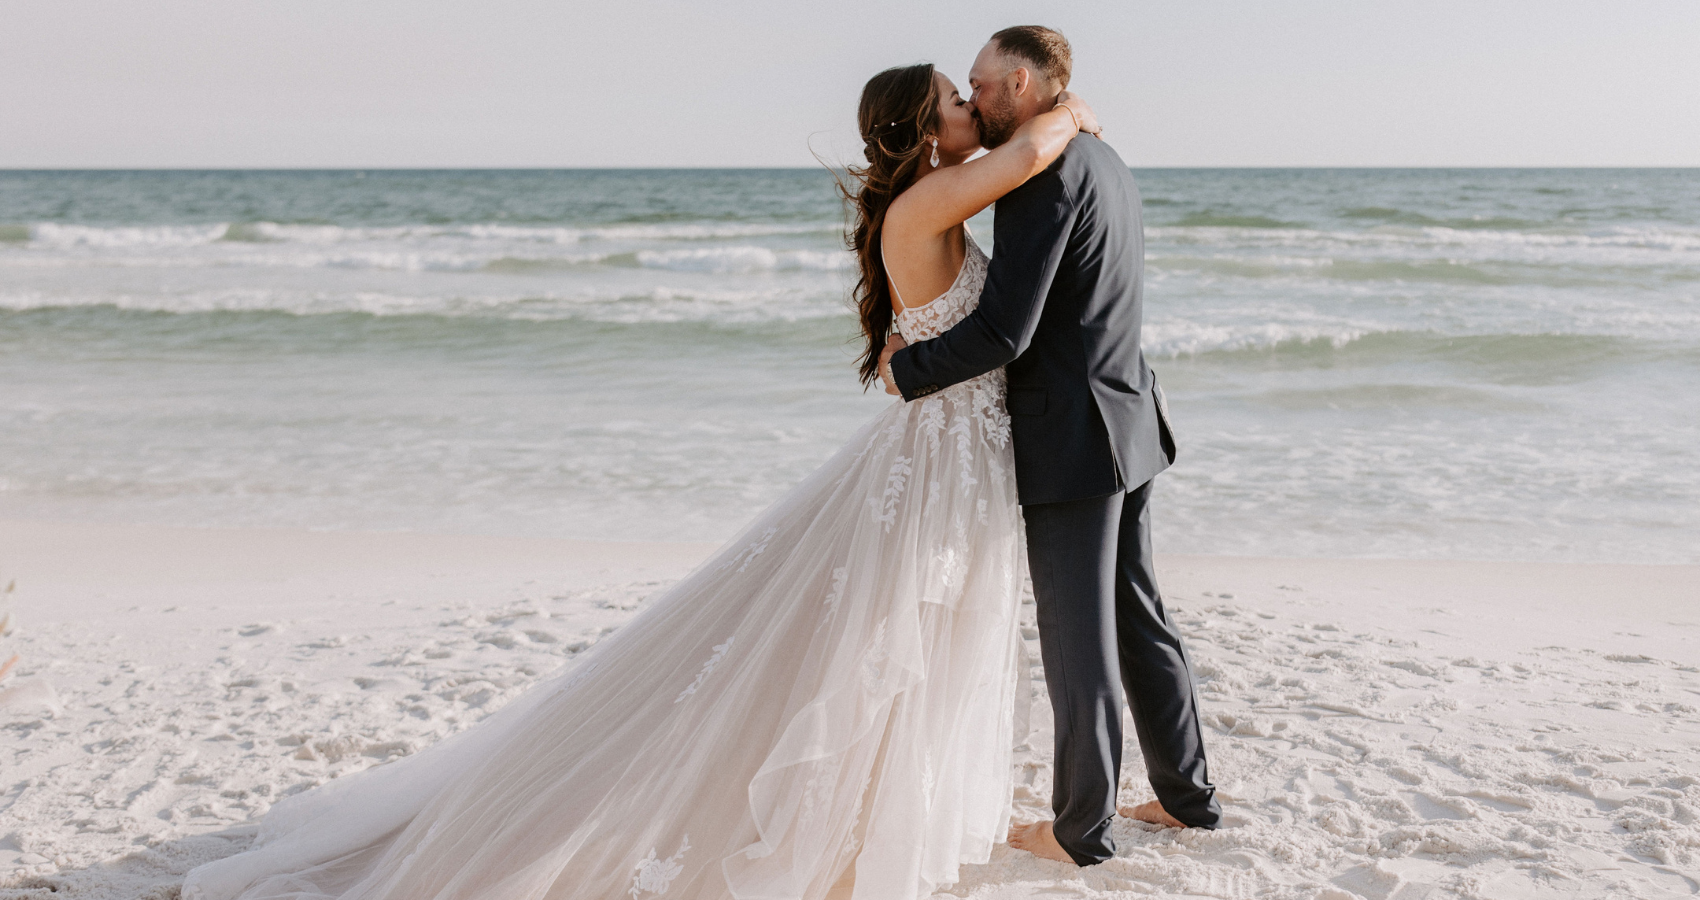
1023, 80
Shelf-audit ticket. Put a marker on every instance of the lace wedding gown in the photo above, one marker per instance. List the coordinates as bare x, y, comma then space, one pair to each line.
833, 696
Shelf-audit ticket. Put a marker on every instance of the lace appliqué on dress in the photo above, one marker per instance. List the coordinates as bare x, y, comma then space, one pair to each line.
873, 665
885, 506
840, 577
749, 554
707, 667
817, 792
932, 423
852, 841
654, 876
928, 780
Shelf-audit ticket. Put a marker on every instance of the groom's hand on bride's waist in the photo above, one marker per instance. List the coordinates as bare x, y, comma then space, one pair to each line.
892, 345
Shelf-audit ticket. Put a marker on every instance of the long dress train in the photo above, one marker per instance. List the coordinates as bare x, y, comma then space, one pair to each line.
833, 695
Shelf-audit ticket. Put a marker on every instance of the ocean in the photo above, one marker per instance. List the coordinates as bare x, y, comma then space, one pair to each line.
1485, 364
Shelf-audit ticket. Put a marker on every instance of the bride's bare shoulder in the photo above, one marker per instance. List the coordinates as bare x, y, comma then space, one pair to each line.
901, 221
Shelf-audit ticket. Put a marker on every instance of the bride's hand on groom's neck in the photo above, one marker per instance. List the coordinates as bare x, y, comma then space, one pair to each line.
1083, 114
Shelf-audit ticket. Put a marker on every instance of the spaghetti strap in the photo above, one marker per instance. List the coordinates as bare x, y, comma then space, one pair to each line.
888, 279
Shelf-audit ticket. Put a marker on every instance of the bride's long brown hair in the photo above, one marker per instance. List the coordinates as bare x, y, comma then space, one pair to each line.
899, 109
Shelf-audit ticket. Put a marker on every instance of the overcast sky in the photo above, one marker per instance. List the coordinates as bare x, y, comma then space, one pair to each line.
370, 83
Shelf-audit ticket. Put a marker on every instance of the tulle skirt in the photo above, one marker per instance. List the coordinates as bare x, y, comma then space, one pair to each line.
831, 700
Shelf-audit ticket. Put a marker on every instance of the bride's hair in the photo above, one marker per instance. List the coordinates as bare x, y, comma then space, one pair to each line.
899, 108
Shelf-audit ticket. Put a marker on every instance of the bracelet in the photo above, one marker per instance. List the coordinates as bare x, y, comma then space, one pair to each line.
1071, 115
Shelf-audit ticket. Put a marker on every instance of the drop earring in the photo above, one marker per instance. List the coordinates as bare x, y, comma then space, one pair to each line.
935, 159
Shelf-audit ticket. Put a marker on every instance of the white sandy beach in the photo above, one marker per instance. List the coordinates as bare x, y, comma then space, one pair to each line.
1378, 729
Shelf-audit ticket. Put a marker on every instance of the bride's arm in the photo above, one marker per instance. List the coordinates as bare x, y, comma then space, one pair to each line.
942, 200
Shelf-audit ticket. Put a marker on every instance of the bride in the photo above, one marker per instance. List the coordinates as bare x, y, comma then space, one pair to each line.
826, 707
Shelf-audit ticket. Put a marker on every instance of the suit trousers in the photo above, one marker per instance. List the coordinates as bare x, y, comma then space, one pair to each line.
1100, 617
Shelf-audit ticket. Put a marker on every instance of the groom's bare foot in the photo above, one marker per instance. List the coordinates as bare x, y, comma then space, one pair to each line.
1038, 840
1152, 811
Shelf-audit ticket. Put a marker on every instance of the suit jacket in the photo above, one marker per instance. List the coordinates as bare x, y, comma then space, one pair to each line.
1061, 312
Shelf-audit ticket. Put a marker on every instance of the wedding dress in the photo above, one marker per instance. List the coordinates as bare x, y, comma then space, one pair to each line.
833, 696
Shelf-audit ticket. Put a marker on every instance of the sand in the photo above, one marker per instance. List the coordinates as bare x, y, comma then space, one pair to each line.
1378, 729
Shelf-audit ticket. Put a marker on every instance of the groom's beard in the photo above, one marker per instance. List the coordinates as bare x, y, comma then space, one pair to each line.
996, 125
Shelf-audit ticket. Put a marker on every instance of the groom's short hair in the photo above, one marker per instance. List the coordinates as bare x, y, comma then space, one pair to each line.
1044, 50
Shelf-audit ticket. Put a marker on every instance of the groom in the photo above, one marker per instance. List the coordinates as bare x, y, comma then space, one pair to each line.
1061, 312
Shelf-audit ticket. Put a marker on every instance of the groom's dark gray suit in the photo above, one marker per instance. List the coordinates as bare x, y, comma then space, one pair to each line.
1061, 312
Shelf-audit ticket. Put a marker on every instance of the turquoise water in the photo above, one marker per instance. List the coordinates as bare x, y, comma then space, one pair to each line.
1465, 363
